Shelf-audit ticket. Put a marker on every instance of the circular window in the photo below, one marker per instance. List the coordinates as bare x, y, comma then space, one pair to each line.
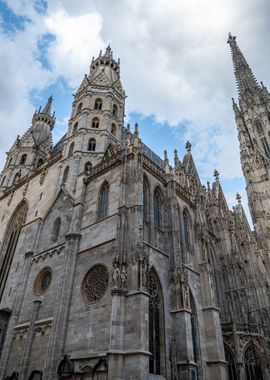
43, 281
95, 284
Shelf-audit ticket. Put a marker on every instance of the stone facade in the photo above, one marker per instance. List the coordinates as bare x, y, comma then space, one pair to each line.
116, 265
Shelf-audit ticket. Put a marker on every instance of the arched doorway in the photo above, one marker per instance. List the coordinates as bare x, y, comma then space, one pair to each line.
231, 367
252, 362
16, 222
156, 325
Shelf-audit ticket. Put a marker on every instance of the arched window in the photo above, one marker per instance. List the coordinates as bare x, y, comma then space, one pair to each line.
23, 159
56, 229
265, 146
115, 110
75, 128
113, 129
16, 178
194, 333
253, 363
259, 128
186, 222
40, 162
65, 175
98, 104
79, 109
103, 201
156, 325
87, 167
231, 367
157, 209
71, 149
12, 234
92, 145
95, 122
146, 195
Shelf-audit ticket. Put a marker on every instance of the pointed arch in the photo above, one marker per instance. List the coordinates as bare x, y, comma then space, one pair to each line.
252, 362
146, 198
115, 110
259, 128
92, 145
17, 177
156, 325
40, 162
79, 109
98, 104
187, 229
65, 175
56, 229
23, 159
12, 234
75, 128
231, 366
87, 167
103, 201
157, 208
95, 122
71, 149
113, 129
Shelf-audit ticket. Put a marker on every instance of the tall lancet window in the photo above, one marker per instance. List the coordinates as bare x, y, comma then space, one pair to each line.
253, 363
259, 128
10, 242
186, 222
231, 367
56, 229
103, 202
156, 325
157, 209
265, 146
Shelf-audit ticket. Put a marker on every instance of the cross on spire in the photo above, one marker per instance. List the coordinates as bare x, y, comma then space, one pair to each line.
245, 78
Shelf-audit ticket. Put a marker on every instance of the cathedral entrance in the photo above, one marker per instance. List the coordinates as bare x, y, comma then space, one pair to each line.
252, 364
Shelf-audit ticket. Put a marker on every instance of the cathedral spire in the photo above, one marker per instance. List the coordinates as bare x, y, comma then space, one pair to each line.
48, 107
245, 78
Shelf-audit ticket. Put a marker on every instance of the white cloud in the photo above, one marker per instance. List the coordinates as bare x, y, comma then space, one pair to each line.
175, 64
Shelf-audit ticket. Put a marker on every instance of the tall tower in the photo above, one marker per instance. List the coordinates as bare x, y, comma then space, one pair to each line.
252, 117
31, 150
97, 119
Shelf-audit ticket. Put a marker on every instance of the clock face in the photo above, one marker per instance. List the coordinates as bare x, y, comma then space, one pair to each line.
40, 133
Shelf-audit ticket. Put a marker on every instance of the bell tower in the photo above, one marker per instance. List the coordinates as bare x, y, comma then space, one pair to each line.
252, 116
97, 116
30, 151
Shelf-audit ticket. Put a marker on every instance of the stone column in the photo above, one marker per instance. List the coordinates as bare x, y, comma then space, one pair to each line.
216, 364
60, 318
21, 287
116, 352
29, 342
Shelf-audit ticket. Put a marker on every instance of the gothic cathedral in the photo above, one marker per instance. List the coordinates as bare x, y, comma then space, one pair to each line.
116, 265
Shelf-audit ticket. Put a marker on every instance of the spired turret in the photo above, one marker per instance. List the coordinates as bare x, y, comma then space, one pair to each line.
253, 123
30, 151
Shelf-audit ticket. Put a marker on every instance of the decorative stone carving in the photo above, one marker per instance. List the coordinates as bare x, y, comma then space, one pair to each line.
95, 284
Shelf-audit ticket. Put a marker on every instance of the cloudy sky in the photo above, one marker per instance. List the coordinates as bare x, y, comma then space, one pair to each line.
175, 67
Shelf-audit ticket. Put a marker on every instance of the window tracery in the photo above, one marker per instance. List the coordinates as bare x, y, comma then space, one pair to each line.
103, 201
92, 145
157, 209
95, 284
98, 104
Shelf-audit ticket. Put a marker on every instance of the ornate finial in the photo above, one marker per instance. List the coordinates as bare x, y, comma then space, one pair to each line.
216, 174
238, 198
136, 128
108, 51
128, 127
188, 146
